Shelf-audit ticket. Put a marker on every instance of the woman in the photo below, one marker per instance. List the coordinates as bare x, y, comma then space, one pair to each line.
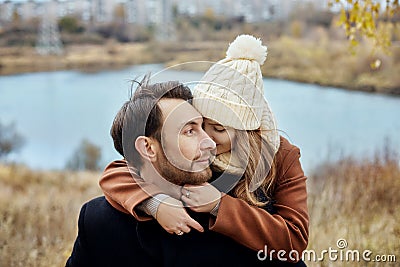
266, 204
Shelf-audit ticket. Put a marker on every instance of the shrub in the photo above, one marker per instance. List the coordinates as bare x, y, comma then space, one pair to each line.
86, 157
10, 140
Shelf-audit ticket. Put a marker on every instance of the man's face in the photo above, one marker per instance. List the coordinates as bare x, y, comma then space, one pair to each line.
186, 150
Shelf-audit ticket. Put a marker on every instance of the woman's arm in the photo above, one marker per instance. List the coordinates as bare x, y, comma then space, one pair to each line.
248, 225
126, 192
256, 228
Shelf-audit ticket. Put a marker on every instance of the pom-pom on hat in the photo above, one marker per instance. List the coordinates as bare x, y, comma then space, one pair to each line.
247, 47
231, 92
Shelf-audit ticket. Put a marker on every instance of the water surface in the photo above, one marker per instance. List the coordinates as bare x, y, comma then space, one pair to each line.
54, 111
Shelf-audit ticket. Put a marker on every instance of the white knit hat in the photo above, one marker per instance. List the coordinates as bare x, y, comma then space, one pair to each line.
232, 90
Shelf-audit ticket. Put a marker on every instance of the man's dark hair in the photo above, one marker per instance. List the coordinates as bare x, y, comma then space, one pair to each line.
141, 116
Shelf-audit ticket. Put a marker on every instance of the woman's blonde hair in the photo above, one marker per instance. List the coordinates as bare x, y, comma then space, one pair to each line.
257, 155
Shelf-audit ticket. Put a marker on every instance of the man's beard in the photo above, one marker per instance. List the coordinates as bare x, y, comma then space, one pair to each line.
177, 176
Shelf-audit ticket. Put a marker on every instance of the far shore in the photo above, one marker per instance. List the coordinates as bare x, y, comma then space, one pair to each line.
324, 63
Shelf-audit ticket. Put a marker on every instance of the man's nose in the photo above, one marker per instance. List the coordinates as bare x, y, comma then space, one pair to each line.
206, 143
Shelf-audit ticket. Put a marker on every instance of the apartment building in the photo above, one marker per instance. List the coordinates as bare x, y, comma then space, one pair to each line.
157, 12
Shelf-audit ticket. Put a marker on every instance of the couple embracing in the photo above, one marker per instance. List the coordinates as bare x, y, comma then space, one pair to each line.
205, 178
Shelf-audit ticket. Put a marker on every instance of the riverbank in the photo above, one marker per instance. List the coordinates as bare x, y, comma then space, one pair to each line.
324, 62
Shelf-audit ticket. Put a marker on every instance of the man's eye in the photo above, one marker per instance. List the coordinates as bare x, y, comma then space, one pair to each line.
189, 132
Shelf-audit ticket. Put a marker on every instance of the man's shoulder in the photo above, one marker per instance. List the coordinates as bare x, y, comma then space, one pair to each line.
99, 202
99, 210
95, 202
95, 207
111, 235
98, 216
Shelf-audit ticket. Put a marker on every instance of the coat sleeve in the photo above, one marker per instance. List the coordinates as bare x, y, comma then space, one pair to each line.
256, 228
125, 190
80, 255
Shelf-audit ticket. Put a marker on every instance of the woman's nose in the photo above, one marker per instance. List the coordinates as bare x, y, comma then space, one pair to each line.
208, 131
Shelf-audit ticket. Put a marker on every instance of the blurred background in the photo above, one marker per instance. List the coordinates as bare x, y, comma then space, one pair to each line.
331, 78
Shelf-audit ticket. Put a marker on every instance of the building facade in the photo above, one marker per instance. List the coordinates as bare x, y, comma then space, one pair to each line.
155, 12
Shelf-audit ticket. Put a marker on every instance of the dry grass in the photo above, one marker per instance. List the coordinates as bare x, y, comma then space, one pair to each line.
83, 57
357, 201
354, 200
324, 62
38, 214
329, 63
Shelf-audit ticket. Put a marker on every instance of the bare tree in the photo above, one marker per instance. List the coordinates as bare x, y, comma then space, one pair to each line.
10, 140
86, 157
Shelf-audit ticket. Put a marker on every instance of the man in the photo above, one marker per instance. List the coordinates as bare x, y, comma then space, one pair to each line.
161, 134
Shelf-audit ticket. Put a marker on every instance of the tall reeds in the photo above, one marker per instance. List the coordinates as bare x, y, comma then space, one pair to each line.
356, 200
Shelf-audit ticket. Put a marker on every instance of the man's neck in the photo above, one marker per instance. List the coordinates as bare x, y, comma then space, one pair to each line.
151, 175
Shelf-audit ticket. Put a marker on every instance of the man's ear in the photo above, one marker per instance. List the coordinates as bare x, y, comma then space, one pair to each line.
146, 147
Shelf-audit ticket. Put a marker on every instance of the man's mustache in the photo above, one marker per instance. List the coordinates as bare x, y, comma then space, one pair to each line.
210, 154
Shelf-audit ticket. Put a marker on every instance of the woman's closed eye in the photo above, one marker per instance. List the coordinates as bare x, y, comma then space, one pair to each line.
219, 129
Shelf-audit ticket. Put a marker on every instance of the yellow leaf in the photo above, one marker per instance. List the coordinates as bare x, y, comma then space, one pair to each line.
353, 42
343, 18
376, 64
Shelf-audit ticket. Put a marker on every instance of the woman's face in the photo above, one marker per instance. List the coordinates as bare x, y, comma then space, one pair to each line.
224, 137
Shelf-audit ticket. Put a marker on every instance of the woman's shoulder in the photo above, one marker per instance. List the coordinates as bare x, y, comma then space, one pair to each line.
286, 155
285, 146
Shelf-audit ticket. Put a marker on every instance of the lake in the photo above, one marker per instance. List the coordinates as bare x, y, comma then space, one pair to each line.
55, 111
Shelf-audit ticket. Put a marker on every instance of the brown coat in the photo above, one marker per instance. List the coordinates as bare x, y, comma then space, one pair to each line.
251, 226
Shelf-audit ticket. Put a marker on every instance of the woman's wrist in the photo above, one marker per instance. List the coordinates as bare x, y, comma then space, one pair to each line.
150, 205
214, 211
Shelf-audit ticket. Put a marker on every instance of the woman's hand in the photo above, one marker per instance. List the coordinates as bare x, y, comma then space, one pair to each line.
200, 198
172, 216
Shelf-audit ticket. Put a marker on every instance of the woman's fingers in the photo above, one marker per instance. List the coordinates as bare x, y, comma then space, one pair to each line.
188, 202
185, 229
194, 224
200, 198
172, 216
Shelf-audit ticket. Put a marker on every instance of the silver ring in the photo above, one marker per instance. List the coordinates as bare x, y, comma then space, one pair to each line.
187, 193
180, 233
